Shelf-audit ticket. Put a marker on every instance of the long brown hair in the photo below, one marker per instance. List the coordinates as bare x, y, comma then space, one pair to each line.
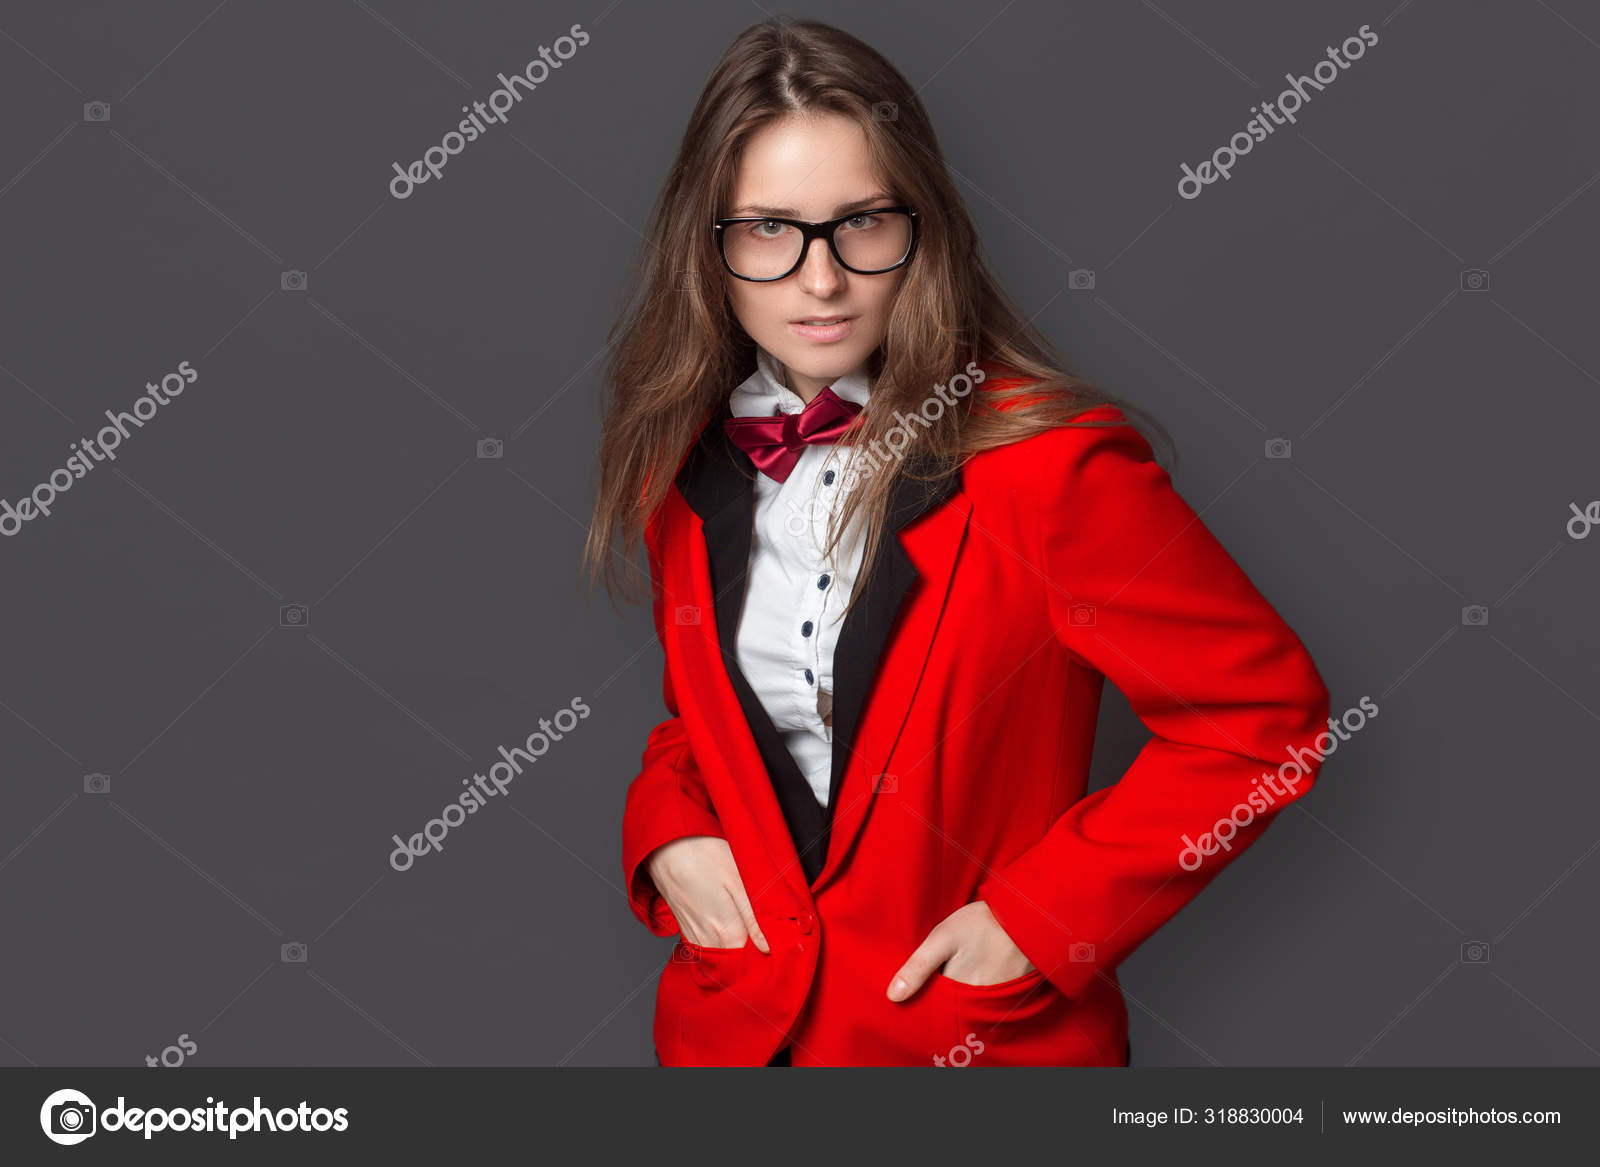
679, 351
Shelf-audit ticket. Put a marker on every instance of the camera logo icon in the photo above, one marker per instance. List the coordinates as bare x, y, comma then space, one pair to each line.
1082, 951
1080, 279
886, 784
1475, 616
885, 111
1278, 447
292, 281
491, 448
687, 615
292, 953
97, 111
97, 783
1474, 279
1081, 615
294, 616
1474, 952
68, 1117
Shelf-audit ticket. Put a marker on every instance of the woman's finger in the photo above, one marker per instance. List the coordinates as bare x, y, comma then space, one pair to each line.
747, 914
939, 947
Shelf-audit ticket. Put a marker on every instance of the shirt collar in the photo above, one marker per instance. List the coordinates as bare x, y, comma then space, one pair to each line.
762, 394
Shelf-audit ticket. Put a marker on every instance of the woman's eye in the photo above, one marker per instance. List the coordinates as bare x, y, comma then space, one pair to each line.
768, 228
859, 222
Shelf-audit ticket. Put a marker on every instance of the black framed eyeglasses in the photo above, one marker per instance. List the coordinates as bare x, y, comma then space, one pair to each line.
761, 248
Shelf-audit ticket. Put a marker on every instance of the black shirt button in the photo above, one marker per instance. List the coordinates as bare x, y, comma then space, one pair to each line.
822, 581
827, 478
805, 629
810, 680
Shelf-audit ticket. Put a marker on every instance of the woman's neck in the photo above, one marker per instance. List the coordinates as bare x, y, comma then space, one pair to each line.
805, 388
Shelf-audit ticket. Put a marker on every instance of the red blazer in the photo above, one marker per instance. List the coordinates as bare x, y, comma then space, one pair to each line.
971, 682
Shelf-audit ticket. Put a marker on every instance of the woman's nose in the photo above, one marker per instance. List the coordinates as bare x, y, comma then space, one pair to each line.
819, 274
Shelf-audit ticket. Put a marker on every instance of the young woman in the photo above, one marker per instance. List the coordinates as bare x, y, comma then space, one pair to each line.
895, 553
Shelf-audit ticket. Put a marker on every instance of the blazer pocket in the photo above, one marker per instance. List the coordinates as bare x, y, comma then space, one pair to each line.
1025, 1004
713, 968
1025, 979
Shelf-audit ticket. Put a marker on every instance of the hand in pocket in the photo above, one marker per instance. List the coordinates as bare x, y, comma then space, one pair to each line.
698, 878
972, 947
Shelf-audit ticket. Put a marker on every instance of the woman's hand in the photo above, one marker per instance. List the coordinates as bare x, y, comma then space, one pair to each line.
971, 945
698, 878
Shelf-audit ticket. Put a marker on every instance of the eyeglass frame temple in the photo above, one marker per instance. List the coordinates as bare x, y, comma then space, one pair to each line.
810, 232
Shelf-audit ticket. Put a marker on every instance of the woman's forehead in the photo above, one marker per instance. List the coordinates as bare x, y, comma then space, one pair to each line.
811, 167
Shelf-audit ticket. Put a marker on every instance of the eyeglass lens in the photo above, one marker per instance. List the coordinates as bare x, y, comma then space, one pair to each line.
765, 249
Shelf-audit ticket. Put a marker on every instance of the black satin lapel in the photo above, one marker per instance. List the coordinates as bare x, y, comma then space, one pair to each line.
866, 628
716, 483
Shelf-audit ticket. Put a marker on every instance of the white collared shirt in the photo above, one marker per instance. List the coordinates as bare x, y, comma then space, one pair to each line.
794, 599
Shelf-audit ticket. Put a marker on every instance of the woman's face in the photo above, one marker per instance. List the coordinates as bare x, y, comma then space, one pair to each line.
812, 167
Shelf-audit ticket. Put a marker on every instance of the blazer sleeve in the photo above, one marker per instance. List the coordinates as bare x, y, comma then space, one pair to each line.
1139, 590
668, 799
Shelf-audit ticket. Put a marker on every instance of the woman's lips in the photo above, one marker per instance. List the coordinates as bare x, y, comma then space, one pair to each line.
824, 333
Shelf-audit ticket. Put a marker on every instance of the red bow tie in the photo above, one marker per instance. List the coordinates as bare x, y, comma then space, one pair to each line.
776, 443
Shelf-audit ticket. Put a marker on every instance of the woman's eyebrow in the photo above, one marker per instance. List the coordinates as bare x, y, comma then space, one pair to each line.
791, 213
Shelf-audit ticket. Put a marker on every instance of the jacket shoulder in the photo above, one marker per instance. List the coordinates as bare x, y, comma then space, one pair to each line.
1056, 458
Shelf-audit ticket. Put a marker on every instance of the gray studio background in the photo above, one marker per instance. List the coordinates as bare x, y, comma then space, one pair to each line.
326, 464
